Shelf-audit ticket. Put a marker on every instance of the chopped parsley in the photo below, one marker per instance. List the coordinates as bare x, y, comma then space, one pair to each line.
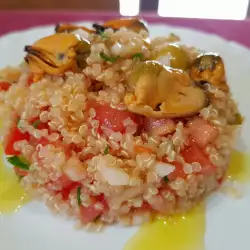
108, 58
138, 56
103, 35
36, 123
106, 150
18, 162
78, 196
165, 178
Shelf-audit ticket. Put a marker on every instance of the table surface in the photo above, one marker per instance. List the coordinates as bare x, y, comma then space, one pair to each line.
229, 29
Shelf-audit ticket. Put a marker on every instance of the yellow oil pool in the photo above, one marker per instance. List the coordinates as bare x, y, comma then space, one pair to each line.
173, 233
239, 169
185, 232
12, 195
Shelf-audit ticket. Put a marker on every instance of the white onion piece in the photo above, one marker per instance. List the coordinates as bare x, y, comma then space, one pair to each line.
116, 49
113, 175
163, 169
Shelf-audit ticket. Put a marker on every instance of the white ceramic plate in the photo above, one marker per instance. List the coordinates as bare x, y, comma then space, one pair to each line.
227, 219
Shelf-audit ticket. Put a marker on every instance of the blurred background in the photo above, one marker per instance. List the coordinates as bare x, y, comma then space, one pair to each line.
216, 9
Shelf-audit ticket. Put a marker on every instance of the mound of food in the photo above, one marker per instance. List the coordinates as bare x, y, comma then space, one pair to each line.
107, 125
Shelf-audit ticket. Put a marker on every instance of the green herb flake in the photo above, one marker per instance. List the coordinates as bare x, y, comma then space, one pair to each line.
18, 121
18, 162
103, 35
138, 56
78, 195
106, 150
36, 123
165, 178
108, 58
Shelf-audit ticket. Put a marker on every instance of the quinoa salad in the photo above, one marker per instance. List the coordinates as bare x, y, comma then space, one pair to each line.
108, 125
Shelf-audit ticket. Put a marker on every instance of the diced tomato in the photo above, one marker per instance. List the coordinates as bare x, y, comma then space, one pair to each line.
178, 172
145, 206
101, 198
158, 126
67, 186
65, 147
113, 118
42, 141
40, 125
89, 156
66, 191
65, 181
220, 180
202, 132
30, 79
75, 148
89, 213
193, 153
15, 135
4, 86
20, 172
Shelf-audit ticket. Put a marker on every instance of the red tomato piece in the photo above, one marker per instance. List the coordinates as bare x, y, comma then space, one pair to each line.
42, 141
202, 132
178, 172
89, 157
67, 186
113, 118
74, 147
20, 172
66, 191
220, 180
101, 198
15, 135
4, 86
145, 206
64, 181
40, 125
89, 213
193, 153
30, 79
